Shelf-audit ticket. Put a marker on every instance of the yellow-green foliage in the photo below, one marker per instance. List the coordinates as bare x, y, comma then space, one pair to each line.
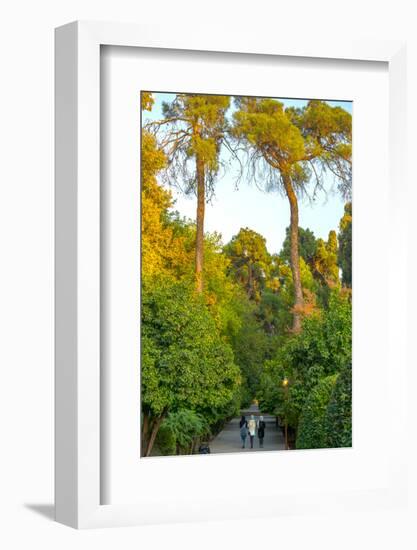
298, 143
311, 433
325, 260
194, 128
147, 101
250, 261
163, 251
267, 126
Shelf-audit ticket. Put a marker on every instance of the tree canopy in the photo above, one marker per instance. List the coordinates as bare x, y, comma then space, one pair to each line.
287, 149
191, 134
185, 363
345, 245
250, 260
307, 245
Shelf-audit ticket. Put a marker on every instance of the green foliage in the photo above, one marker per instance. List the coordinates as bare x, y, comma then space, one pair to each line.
191, 135
321, 349
311, 433
193, 128
325, 260
251, 346
307, 245
185, 363
286, 150
222, 295
274, 398
250, 261
345, 245
338, 421
274, 311
265, 125
179, 431
325, 343
166, 440
280, 305
216, 417
327, 132
295, 143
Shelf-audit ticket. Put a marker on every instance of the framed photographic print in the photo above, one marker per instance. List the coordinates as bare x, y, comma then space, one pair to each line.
217, 310
252, 318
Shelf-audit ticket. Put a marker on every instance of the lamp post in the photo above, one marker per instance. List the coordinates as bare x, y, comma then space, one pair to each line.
285, 386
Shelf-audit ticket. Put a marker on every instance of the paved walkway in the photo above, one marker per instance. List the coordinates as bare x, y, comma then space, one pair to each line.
228, 440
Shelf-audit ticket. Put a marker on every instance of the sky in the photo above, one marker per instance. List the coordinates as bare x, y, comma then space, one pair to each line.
266, 213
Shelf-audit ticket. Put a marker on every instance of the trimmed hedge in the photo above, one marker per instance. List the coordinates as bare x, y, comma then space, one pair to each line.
339, 411
312, 433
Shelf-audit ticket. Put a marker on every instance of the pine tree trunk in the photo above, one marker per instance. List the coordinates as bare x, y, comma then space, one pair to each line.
199, 248
294, 254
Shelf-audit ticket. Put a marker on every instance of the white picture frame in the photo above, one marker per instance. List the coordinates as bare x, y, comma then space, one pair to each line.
77, 241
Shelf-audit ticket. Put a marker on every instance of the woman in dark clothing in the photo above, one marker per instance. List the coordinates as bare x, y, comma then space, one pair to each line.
243, 425
261, 431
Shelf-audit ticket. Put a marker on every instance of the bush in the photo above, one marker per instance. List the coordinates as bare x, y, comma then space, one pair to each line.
312, 432
185, 426
166, 440
338, 420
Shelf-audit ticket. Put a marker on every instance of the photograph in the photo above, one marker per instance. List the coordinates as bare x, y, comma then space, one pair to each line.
245, 274
180, 183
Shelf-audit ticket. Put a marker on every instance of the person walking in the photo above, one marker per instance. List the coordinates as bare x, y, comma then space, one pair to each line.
261, 431
243, 425
251, 429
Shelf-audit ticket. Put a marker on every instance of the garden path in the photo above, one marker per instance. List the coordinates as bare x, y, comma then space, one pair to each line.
228, 440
